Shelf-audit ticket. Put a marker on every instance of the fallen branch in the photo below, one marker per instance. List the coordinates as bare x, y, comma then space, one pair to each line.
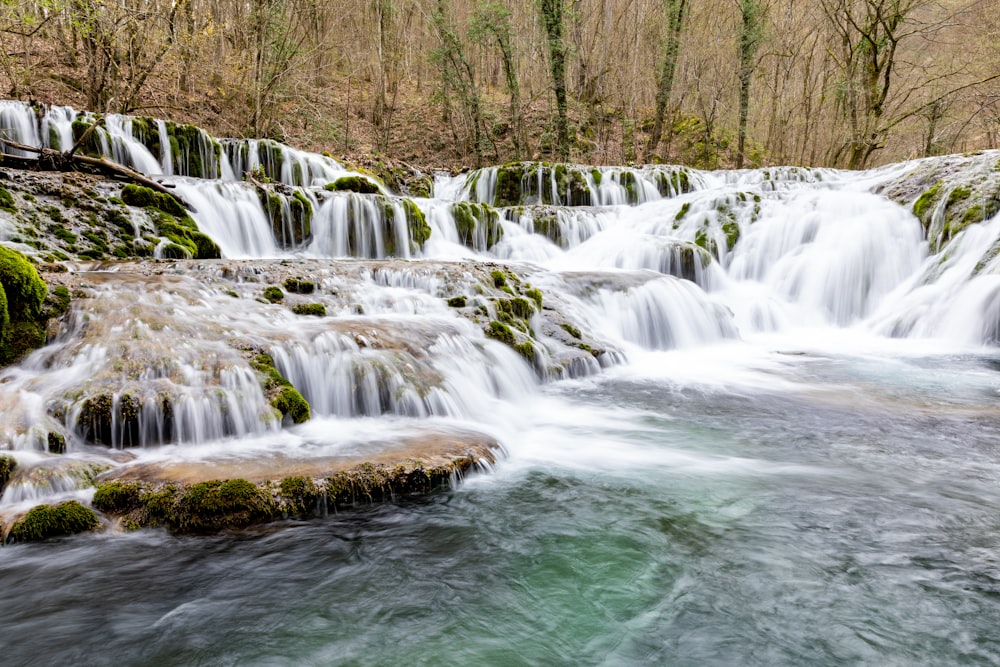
51, 160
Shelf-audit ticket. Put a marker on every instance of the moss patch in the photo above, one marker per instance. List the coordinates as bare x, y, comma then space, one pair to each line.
22, 295
359, 184
7, 466
315, 309
45, 521
284, 397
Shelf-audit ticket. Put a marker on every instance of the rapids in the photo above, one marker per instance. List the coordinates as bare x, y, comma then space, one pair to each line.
757, 422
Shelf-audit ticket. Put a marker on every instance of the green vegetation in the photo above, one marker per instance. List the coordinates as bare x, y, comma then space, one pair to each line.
45, 521
7, 201
217, 503
274, 294
296, 286
117, 497
284, 397
360, 184
7, 466
457, 302
316, 309
22, 294
571, 330
172, 223
478, 225
501, 332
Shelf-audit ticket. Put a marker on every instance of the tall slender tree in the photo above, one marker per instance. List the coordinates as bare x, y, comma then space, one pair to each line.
552, 21
674, 12
751, 35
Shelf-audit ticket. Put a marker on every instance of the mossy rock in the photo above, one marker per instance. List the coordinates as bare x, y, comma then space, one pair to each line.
284, 397
7, 466
117, 497
216, 504
7, 201
274, 294
356, 183
290, 403
24, 289
143, 197
478, 225
45, 521
107, 420
22, 295
296, 286
314, 309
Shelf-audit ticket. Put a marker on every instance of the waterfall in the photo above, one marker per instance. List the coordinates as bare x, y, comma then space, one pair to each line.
475, 295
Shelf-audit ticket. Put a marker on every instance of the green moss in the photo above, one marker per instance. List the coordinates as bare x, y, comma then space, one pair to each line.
499, 278
217, 504
508, 185
501, 332
316, 309
274, 294
628, 181
92, 146
958, 194
526, 350
7, 201
536, 296
923, 207
55, 443
23, 286
45, 521
117, 497
300, 494
143, 197
683, 212
4, 318
290, 403
457, 302
571, 330
7, 466
416, 222
285, 398
478, 225
547, 224
296, 286
359, 184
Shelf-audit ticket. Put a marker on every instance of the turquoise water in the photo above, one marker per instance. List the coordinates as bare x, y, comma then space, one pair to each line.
636, 521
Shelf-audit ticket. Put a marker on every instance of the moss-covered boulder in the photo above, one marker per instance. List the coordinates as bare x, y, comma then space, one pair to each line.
284, 397
354, 183
948, 194
228, 493
22, 296
45, 521
478, 225
172, 222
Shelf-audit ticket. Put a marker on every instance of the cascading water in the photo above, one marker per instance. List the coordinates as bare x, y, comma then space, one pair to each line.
750, 415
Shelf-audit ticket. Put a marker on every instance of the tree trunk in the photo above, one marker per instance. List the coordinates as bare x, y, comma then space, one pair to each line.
675, 10
552, 20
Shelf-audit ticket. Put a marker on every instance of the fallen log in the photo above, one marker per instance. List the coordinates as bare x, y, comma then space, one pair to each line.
52, 160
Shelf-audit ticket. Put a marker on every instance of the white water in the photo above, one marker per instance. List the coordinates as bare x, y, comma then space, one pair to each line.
788, 457
795, 256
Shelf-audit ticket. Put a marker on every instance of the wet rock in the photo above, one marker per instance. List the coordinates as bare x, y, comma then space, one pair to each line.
219, 493
47, 521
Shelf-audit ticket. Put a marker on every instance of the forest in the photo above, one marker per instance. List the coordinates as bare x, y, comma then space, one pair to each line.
463, 83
